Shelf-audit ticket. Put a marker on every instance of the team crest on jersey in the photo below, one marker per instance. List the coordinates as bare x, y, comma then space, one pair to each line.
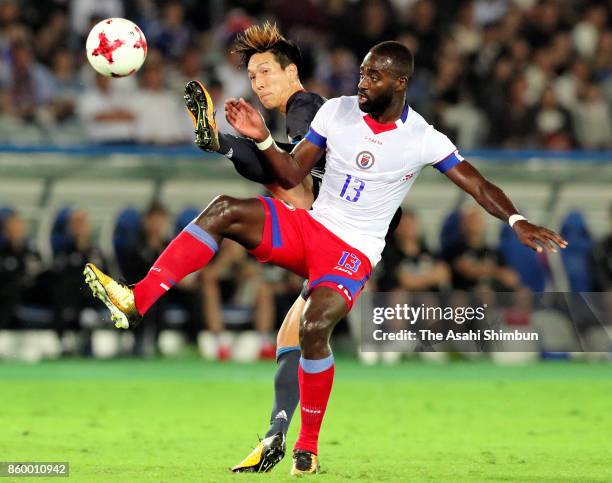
365, 160
288, 205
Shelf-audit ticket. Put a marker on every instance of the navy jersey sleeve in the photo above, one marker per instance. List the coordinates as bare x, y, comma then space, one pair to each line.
247, 159
300, 114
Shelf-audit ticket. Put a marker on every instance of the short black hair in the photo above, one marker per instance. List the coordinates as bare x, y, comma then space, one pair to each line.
400, 55
258, 39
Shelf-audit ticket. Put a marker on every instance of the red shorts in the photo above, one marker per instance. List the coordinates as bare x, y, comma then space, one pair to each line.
292, 239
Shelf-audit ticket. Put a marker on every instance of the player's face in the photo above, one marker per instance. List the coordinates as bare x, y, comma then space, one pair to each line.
376, 84
269, 80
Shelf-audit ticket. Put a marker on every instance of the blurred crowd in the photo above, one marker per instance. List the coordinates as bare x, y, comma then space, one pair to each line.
235, 292
490, 73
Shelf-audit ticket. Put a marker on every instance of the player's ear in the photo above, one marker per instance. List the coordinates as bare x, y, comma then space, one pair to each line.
292, 70
402, 83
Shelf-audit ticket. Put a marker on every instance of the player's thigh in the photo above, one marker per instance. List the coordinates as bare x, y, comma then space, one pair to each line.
289, 333
241, 220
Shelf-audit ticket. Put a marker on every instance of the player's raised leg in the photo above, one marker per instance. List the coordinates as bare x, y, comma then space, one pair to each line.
191, 250
270, 450
200, 107
324, 309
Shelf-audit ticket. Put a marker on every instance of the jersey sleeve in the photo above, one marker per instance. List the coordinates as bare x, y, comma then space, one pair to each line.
317, 134
301, 114
439, 151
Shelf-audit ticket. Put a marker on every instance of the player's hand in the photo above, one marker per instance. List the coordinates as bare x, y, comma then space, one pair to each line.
245, 119
537, 237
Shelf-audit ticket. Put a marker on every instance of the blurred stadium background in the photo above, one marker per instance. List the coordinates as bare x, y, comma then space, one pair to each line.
104, 170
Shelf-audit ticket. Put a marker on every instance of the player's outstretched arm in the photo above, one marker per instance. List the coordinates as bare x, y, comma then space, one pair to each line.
495, 201
288, 169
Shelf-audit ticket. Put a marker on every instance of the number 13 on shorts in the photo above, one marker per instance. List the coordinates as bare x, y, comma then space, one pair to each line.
350, 261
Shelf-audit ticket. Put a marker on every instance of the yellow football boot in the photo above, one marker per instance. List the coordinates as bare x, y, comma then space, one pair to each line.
119, 298
200, 108
304, 463
264, 457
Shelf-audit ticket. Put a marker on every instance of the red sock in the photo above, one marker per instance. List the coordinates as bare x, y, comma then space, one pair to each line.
315, 388
191, 250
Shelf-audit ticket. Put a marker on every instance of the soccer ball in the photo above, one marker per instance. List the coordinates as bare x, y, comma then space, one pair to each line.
116, 47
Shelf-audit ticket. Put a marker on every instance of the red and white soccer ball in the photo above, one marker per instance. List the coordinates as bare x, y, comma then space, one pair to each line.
116, 47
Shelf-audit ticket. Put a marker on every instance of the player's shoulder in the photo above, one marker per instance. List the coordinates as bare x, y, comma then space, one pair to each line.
341, 107
308, 98
417, 122
420, 127
304, 102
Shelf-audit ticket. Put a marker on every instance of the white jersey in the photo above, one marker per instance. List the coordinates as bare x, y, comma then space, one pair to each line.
370, 168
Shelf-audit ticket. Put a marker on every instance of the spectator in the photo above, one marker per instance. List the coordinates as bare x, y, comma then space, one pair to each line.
20, 264
554, 123
473, 263
571, 83
375, 23
231, 74
407, 263
69, 298
29, 84
586, 32
422, 25
538, 75
67, 86
108, 113
543, 22
160, 114
515, 121
602, 256
234, 280
593, 122
490, 11
53, 36
602, 64
339, 72
135, 260
467, 34
189, 67
173, 35
81, 11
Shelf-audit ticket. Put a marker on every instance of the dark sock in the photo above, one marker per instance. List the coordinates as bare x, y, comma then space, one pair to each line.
286, 392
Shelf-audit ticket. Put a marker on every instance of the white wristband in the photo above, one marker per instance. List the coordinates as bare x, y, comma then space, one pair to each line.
514, 218
265, 144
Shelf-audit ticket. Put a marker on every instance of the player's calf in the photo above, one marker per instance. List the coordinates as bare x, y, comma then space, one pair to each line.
324, 309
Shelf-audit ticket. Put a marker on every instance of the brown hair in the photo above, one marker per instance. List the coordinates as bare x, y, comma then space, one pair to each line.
258, 39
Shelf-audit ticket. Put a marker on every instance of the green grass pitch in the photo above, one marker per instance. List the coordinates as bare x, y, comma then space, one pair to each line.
189, 420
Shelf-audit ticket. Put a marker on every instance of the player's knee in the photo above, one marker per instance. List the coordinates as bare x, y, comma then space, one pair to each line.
220, 211
314, 333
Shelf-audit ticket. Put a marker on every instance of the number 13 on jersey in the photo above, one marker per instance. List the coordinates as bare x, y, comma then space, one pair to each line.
356, 187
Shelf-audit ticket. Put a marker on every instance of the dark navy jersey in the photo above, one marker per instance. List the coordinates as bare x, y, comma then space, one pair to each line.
301, 109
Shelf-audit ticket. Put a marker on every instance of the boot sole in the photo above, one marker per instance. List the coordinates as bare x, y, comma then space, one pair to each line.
119, 318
